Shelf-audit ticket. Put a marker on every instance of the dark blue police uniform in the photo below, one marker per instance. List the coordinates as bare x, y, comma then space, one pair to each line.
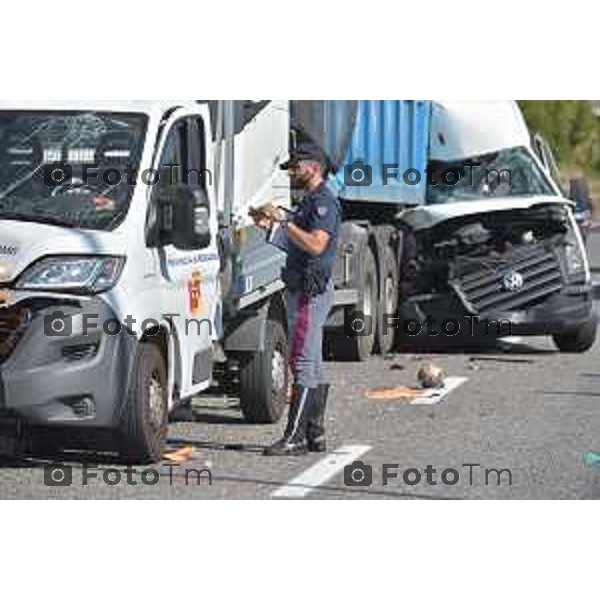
310, 286
309, 301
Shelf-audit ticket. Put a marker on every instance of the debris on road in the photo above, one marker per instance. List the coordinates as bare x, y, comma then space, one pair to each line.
397, 367
591, 459
178, 455
502, 359
431, 377
393, 393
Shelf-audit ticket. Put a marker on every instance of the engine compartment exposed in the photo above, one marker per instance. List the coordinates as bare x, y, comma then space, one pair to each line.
474, 255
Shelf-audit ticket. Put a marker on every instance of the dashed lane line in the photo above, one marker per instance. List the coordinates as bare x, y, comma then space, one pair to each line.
322, 472
435, 396
325, 470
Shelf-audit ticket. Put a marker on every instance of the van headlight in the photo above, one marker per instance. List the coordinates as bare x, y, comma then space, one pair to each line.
76, 274
574, 260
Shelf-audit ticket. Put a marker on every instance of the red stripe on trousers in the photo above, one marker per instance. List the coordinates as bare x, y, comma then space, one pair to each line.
301, 329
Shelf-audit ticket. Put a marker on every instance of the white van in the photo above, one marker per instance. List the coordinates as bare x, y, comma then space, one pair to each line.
129, 267
501, 244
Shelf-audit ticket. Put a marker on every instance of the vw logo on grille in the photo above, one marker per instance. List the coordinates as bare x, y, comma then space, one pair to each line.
513, 281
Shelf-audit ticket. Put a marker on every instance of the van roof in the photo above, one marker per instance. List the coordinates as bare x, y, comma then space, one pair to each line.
461, 129
149, 107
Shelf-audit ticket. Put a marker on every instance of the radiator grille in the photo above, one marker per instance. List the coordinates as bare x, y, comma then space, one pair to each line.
485, 284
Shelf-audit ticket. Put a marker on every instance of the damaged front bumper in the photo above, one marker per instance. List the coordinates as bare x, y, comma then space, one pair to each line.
60, 377
561, 312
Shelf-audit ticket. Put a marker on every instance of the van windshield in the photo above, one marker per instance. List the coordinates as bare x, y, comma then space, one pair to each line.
508, 173
72, 169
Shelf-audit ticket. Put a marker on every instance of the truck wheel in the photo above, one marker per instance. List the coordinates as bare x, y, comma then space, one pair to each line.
389, 301
578, 341
144, 423
264, 378
360, 347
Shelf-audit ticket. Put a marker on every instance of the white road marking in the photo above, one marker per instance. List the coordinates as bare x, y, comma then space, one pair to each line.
515, 340
321, 473
436, 396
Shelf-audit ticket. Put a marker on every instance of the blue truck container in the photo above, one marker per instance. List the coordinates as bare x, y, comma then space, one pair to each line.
364, 136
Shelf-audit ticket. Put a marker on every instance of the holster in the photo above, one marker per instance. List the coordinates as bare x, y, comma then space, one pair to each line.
312, 281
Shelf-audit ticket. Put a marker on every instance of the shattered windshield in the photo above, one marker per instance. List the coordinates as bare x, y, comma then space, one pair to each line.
508, 173
73, 169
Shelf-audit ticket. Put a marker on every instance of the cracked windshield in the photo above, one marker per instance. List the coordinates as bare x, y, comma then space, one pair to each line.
73, 169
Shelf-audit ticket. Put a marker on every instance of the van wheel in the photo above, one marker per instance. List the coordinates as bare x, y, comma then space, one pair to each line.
264, 378
144, 424
389, 301
580, 340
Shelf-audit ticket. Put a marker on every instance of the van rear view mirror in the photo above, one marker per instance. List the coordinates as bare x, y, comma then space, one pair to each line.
184, 218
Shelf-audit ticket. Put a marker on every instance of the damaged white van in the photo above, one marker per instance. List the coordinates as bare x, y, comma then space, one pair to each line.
496, 238
130, 271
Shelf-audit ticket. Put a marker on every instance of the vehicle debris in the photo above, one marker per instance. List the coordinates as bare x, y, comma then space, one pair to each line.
393, 393
591, 459
431, 376
397, 367
502, 359
178, 455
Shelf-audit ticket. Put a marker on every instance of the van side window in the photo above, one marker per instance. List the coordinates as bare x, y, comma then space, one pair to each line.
174, 159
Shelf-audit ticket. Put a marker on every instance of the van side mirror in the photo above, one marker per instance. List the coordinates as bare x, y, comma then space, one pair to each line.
184, 218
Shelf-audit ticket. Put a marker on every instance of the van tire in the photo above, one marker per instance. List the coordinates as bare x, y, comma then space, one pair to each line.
144, 424
579, 340
264, 378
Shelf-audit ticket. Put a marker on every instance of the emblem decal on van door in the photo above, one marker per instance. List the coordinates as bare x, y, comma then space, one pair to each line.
195, 293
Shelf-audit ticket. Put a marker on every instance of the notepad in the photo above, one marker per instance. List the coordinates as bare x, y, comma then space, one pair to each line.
278, 237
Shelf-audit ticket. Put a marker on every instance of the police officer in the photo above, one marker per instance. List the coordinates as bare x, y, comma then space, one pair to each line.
312, 236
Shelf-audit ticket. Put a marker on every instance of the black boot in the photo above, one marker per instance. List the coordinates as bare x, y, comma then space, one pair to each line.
294, 439
315, 430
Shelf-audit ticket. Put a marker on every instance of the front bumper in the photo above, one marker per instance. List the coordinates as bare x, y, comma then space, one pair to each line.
63, 381
560, 313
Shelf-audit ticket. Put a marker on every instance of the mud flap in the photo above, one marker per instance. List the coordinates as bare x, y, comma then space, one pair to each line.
248, 332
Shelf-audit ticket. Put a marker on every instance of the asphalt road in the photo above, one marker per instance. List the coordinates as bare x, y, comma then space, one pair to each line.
520, 408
